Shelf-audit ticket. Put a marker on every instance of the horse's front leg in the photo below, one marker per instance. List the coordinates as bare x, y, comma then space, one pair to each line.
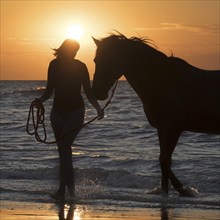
168, 139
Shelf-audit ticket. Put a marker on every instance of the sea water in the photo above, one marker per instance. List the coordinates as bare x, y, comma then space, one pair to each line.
115, 159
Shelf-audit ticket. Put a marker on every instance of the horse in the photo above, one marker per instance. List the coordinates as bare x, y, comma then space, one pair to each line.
176, 96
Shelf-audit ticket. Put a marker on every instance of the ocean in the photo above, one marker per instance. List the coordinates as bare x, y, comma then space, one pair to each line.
115, 159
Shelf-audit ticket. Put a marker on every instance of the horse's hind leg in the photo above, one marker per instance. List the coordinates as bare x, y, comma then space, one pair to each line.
168, 139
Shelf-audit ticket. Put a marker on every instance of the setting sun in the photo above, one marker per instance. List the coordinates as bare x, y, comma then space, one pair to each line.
74, 31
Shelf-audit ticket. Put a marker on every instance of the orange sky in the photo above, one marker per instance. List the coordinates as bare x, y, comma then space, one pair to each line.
29, 29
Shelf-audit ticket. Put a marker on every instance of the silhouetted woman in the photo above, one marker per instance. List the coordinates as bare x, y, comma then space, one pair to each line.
66, 76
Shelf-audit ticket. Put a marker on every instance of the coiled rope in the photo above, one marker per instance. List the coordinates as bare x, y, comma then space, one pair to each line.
36, 114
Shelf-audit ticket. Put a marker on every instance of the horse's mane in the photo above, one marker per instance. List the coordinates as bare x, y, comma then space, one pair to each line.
119, 36
144, 44
146, 48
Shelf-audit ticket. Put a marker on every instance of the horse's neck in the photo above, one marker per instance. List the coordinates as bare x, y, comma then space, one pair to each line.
148, 77
136, 83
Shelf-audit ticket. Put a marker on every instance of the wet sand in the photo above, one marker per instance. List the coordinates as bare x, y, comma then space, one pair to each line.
49, 211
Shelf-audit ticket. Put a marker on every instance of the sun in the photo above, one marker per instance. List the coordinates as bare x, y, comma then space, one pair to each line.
74, 31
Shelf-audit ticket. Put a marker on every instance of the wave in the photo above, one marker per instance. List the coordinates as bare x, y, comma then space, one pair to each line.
38, 191
98, 185
114, 178
36, 90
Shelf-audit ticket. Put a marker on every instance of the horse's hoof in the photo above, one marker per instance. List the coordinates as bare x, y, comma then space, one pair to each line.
187, 192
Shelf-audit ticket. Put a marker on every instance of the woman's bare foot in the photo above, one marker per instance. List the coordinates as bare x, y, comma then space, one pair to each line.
59, 196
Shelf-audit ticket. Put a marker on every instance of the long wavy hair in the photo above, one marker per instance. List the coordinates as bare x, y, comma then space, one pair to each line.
68, 47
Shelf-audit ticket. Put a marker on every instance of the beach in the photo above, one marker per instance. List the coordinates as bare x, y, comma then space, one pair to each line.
52, 211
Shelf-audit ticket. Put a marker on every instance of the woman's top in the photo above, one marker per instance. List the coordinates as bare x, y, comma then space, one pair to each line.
66, 78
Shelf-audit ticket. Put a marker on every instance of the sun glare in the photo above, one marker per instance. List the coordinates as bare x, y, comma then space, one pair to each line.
75, 32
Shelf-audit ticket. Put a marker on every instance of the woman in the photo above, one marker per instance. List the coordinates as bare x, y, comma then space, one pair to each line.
66, 76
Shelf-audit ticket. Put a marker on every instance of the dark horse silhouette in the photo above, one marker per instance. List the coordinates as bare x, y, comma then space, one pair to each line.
176, 96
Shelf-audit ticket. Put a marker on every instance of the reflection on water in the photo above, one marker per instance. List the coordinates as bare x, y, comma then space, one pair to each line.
66, 212
164, 214
83, 212
79, 212
69, 212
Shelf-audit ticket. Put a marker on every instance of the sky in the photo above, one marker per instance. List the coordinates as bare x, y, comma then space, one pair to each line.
29, 29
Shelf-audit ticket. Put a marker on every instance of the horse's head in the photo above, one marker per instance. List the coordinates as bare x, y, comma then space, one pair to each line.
108, 65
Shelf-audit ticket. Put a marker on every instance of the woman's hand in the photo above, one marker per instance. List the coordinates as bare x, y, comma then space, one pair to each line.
38, 103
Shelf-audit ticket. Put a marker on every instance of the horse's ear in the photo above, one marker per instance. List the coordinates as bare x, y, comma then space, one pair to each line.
97, 42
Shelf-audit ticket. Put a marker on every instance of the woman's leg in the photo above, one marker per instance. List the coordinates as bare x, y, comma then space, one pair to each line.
66, 168
58, 123
71, 123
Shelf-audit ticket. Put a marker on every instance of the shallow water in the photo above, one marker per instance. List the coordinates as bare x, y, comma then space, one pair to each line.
115, 159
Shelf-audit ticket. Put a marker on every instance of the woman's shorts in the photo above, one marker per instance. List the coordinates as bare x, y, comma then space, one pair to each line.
66, 125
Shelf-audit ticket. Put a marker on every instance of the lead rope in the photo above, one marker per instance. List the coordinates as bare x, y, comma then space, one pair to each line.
38, 108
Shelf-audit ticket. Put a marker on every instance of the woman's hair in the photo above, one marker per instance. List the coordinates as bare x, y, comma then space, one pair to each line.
68, 47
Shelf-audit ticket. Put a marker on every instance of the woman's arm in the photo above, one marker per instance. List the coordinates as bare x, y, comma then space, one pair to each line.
89, 94
49, 88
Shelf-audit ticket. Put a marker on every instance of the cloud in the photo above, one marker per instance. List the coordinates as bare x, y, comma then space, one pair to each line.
29, 41
199, 29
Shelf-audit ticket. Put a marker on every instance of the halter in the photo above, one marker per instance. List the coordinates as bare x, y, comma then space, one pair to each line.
38, 108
